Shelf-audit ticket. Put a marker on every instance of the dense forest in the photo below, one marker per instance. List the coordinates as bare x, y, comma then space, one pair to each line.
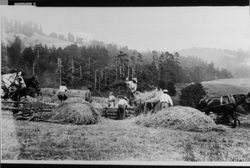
105, 67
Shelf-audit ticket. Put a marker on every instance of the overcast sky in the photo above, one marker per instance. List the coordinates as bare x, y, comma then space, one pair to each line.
162, 28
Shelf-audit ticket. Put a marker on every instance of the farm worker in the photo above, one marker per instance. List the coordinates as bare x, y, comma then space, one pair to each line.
62, 92
122, 106
111, 100
88, 94
132, 87
165, 100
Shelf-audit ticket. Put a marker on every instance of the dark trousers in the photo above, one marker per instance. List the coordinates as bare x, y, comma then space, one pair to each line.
62, 96
121, 112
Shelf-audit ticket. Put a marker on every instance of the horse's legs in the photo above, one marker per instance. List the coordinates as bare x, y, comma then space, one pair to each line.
235, 119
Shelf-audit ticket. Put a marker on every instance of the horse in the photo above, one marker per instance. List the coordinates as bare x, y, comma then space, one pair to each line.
230, 106
11, 83
32, 89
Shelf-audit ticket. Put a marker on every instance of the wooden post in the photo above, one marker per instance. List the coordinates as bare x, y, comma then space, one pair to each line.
99, 82
89, 65
116, 70
105, 77
59, 61
72, 67
128, 69
33, 69
95, 79
34, 63
80, 71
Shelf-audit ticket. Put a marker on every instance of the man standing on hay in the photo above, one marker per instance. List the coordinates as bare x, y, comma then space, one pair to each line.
88, 95
165, 100
111, 100
122, 107
132, 87
62, 92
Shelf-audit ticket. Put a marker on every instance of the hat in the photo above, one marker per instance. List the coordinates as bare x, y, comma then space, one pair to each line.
165, 91
135, 80
125, 98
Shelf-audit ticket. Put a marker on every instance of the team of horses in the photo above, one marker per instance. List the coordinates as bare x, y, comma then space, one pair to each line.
228, 107
14, 86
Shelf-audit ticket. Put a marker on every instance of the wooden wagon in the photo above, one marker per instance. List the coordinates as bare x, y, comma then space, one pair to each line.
27, 110
112, 112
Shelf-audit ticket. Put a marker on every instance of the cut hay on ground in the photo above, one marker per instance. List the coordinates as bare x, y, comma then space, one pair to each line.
76, 111
178, 117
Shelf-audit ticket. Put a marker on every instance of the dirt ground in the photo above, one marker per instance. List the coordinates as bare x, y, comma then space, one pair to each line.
120, 140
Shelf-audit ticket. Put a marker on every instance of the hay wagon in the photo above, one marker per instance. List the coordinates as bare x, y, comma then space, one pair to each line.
112, 112
27, 110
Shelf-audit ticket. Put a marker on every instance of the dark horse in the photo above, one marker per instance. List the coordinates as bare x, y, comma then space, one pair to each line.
229, 106
32, 89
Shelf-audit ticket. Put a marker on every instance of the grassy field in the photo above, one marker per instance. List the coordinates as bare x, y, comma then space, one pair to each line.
116, 140
122, 141
227, 86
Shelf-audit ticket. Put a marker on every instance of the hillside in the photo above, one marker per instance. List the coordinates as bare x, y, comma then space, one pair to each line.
35, 39
237, 62
227, 86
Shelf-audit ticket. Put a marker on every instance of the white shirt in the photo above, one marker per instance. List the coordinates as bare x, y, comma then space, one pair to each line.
123, 102
132, 86
111, 98
62, 89
166, 98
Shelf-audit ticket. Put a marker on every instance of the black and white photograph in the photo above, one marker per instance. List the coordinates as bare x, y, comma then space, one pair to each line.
127, 85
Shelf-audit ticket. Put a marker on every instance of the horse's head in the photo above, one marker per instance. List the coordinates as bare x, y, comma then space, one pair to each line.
19, 81
240, 99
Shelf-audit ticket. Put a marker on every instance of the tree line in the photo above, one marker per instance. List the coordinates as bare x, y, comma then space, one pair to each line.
105, 67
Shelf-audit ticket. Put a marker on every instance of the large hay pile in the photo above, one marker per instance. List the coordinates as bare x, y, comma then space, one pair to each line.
77, 111
179, 117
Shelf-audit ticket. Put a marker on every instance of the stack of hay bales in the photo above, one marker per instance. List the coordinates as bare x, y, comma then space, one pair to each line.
76, 111
181, 118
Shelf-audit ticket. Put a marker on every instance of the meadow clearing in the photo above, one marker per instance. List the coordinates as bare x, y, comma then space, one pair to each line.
122, 140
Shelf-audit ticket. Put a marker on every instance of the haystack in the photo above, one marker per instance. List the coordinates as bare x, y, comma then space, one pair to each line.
181, 118
76, 111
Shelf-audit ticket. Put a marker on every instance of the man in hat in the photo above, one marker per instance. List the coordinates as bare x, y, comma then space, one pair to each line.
88, 94
165, 100
62, 92
132, 87
111, 100
122, 106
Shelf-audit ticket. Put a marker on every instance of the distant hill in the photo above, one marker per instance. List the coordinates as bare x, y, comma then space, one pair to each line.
35, 39
237, 62
227, 86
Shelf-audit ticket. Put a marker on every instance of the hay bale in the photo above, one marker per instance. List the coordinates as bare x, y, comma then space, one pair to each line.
181, 118
76, 111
